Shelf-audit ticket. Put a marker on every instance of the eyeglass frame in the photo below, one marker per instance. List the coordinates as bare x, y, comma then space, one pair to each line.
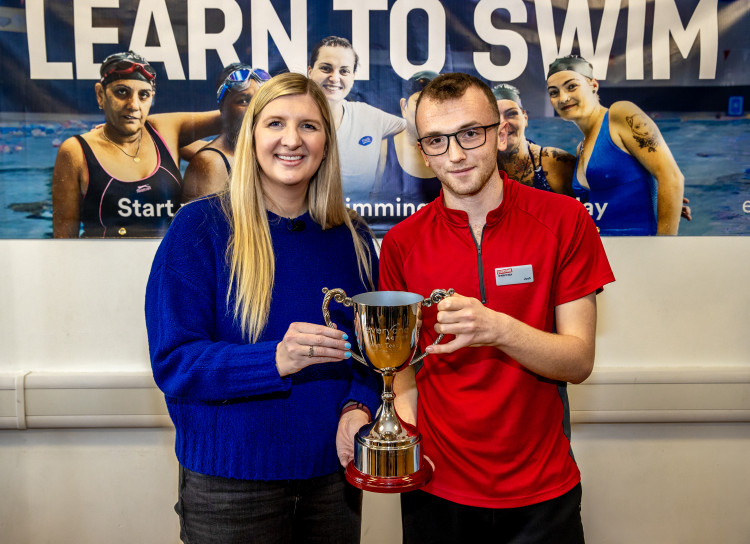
455, 137
256, 74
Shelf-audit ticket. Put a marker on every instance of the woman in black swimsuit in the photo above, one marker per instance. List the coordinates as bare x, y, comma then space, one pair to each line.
546, 168
121, 179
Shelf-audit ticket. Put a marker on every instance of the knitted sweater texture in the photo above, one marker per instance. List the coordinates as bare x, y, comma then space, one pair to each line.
234, 415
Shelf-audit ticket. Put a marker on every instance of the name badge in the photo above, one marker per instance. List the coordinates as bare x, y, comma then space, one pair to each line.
512, 275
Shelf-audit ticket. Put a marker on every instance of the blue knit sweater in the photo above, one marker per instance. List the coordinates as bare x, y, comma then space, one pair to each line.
234, 415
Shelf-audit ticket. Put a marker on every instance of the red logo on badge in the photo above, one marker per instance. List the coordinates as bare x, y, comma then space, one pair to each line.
503, 271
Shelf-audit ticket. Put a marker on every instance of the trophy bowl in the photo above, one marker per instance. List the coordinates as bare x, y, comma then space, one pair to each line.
387, 451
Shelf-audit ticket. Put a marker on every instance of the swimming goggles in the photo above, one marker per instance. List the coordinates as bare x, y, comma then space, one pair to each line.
239, 78
124, 67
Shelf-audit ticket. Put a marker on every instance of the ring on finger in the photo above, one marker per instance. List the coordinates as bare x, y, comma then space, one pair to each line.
310, 352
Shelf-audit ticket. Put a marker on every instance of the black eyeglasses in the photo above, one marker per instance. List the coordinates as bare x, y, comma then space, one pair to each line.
468, 138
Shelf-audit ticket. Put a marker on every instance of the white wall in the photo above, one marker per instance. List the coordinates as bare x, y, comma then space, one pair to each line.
661, 429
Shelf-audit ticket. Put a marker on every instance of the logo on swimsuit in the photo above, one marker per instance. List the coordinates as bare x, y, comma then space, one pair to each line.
143, 188
365, 140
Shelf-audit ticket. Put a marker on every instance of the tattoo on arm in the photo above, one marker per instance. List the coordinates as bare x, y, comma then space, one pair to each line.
558, 155
643, 131
524, 172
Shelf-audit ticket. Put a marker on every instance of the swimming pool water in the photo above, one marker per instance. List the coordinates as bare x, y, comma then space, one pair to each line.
713, 154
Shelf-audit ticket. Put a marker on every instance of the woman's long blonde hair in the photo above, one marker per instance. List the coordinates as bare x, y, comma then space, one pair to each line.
250, 252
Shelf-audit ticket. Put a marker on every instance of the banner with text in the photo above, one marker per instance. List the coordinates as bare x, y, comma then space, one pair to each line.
684, 62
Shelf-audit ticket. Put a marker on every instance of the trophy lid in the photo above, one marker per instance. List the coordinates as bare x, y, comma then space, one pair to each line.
387, 298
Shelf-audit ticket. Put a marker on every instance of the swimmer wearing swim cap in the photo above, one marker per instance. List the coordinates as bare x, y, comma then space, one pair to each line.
624, 165
210, 164
573, 63
127, 65
122, 179
545, 168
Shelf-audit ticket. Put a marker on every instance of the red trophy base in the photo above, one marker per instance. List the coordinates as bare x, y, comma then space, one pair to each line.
392, 484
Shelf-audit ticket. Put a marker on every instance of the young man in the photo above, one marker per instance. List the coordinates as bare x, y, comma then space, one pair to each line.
491, 402
405, 173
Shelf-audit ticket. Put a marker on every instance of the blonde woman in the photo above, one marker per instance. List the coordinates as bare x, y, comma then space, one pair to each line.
265, 398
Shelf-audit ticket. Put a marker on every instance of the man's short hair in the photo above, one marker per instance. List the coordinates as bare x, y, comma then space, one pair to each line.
454, 85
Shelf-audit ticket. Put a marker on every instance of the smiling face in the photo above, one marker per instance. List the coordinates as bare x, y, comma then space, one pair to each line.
462, 172
572, 95
290, 143
514, 120
334, 71
126, 103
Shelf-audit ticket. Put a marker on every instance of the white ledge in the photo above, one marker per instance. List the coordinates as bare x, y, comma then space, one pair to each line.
670, 375
56, 400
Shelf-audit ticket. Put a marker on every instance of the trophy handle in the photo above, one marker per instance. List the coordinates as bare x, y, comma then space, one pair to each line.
436, 296
339, 295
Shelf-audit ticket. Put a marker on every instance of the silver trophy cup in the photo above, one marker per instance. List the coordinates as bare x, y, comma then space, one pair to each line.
387, 452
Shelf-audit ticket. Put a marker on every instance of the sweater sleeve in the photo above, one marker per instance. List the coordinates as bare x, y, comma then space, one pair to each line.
188, 358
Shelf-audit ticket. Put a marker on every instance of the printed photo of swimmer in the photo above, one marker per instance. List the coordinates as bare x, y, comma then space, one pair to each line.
624, 167
406, 175
360, 128
663, 131
121, 179
211, 163
543, 167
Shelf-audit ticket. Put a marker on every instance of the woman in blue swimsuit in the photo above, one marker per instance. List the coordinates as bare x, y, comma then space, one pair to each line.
623, 162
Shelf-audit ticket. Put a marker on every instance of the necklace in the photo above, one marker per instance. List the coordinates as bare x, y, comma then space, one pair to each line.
135, 157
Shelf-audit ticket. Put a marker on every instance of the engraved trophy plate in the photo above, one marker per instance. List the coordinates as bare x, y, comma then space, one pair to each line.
387, 452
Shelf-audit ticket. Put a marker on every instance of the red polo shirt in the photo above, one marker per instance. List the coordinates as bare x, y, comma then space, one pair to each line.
497, 433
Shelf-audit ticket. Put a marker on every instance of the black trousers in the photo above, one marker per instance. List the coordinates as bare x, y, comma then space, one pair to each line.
214, 510
428, 519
